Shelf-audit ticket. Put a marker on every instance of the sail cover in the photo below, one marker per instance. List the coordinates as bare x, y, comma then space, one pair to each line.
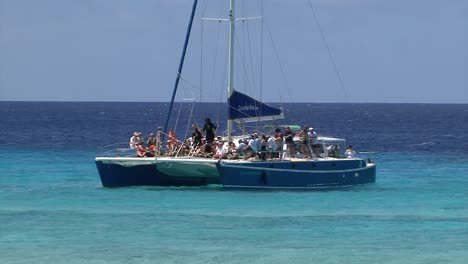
243, 108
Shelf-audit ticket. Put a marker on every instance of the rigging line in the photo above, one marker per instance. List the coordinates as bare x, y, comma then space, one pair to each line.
247, 53
189, 89
184, 88
202, 39
246, 77
239, 57
181, 63
224, 75
249, 42
240, 48
322, 34
279, 63
243, 51
189, 121
215, 58
250, 80
178, 116
201, 56
261, 50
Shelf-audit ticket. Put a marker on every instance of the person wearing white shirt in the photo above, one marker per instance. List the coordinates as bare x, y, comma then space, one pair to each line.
350, 152
221, 151
134, 140
313, 142
271, 146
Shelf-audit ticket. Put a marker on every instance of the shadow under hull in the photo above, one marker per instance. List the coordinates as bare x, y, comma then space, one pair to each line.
150, 172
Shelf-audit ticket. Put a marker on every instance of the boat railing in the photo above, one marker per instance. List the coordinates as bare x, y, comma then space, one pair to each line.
120, 149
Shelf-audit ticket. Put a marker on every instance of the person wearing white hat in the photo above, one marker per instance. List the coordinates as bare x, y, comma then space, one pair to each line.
134, 140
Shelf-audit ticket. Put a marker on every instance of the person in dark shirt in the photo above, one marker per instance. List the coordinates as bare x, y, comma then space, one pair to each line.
197, 136
209, 128
289, 140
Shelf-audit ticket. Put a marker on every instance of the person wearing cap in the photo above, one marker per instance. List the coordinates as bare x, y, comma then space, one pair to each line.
140, 137
134, 140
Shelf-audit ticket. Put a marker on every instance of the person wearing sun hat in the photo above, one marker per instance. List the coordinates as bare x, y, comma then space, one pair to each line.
134, 140
140, 137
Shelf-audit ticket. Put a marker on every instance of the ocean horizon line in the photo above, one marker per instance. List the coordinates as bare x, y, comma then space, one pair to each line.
211, 102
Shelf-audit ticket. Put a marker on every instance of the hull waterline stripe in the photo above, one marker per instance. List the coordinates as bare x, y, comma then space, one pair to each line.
298, 171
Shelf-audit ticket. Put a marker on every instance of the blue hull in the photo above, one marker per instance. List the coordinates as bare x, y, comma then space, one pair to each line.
296, 174
116, 175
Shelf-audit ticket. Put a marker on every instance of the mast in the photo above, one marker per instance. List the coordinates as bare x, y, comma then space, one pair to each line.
231, 62
181, 64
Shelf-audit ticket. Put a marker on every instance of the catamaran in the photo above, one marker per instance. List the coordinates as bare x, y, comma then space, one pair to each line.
329, 169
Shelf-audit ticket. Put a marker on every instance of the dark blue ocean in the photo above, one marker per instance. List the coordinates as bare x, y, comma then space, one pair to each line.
53, 208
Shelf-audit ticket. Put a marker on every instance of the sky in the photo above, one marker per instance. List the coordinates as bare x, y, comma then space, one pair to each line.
314, 51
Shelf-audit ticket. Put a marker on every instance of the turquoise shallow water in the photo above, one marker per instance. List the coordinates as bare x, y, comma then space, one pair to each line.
54, 210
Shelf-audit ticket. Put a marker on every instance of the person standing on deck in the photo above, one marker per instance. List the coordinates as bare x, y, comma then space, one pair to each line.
314, 143
279, 142
305, 146
350, 152
159, 138
271, 147
209, 128
289, 140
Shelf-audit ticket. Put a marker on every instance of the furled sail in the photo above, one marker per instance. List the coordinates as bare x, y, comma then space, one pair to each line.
243, 108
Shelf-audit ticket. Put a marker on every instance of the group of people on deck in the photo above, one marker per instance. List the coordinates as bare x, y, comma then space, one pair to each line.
309, 146
143, 149
204, 143
152, 147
